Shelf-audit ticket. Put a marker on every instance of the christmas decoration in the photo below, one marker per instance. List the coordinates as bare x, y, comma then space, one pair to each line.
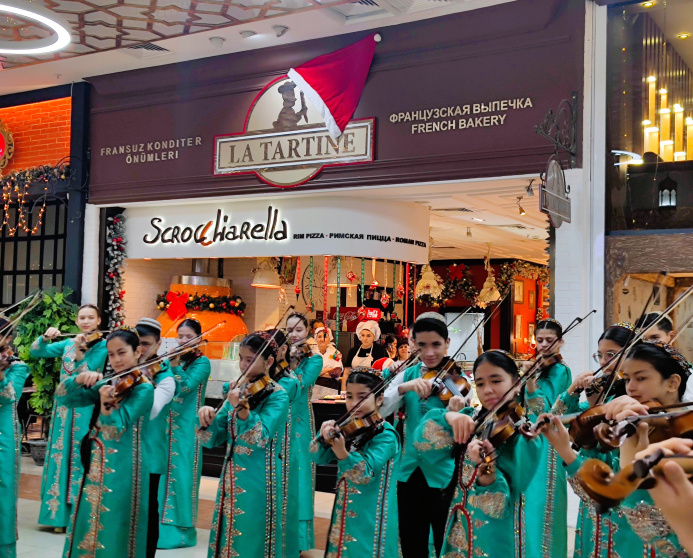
181, 303
297, 287
17, 184
385, 299
334, 82
114, 263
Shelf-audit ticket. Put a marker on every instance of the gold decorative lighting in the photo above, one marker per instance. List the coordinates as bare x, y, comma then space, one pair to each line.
429, 283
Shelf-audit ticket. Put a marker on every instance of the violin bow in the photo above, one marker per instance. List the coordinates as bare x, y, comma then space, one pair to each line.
520, 382
7, 328
635, 337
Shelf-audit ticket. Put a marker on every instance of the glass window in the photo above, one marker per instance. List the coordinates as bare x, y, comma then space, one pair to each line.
7, 287
9, 257
49, 219
60, 258
21, 255
61, 218
650, 116
33, 282
48, 254
35, 259
47, 280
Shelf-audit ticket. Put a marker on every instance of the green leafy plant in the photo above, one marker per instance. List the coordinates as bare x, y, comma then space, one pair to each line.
54, 310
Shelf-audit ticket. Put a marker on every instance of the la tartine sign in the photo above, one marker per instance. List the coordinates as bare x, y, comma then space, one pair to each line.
285, 141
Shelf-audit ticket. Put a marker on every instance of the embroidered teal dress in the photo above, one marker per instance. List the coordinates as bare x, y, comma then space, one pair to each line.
10, 451
109, 518
156, 430
546, 499
364, 516
62, 472
483, 520
304, 431
247, 514
179, 489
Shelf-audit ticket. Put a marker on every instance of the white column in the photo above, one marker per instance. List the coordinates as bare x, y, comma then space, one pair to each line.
90, 264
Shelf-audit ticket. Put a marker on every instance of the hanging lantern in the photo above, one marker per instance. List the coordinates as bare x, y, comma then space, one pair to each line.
489, 293
429, 283
266, 276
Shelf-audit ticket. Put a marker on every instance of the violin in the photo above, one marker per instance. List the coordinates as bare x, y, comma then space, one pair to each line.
609, 489
509, 418
153, 369
256, 391
125, 384
355, 428
90, 339
448, 381
299, 351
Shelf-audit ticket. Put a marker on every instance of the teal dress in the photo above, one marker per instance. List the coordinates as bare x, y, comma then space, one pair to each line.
290, 470
304, 431
109, 519
62, 472
483, 520
546, 499
10, 451
179, 490
247, 514
156, 430
364, 516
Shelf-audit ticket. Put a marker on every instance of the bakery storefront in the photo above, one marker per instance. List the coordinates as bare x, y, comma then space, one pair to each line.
219, 187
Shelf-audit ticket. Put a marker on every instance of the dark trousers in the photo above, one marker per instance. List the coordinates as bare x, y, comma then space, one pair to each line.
421, 508
153, 523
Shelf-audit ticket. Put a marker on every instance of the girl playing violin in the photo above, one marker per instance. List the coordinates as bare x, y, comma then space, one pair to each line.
247, 514
156, 449
62, 473
546, 500
597, 533
653, 372
179, 494
13, 374
109, 519
423, 502
366, 490
307, 369
485, 518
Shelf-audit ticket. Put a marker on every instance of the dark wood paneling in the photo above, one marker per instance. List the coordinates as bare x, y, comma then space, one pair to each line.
521, 49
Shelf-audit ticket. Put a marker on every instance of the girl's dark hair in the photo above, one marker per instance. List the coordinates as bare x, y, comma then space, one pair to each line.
402, 341
662, 362
298, 316
430, 324
390, 339
313, 322
92, 306
192, 324
255, 342
148, 331
551, 326
619, 335
361, 377
648, 319
130, 337
499, 359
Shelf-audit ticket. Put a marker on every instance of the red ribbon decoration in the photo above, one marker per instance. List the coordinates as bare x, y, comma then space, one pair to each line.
456, 272
297, 288
176, 305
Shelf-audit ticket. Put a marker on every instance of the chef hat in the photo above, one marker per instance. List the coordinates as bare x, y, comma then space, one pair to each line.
330, 337
371, 326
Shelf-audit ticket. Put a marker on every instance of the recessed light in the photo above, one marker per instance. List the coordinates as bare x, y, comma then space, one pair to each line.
648, 4
280, 30
684, 35
246, 34
651, 79
217, 42
478, 220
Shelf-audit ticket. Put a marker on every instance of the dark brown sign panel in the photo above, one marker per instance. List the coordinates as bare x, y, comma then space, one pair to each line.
452, 98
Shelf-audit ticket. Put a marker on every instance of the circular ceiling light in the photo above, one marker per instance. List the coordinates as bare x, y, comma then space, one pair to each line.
59, 40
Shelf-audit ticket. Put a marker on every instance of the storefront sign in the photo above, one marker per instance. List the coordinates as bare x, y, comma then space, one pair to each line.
286, 147
287, 227
554, 199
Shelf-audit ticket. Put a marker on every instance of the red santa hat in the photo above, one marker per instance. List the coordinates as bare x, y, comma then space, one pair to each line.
383, 364
334, 82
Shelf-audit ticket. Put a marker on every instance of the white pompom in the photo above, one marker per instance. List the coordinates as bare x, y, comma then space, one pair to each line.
377, 38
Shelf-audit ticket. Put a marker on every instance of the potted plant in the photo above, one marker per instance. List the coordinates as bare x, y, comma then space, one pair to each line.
54, 310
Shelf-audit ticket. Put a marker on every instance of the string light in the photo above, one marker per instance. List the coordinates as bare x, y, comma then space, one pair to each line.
11, 186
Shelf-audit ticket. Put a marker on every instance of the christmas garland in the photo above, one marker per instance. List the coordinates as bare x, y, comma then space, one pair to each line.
42, 173
460, 279
222, 304
115, 261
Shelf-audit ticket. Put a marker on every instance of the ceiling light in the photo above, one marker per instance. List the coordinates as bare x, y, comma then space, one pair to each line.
280, 30
266, 276
689, 121
646, 123
663, 91
529, 189
478, 220
648, 4
684, 35
522, 211
57, 41
217, 42
651, 79
469, 232
246, 34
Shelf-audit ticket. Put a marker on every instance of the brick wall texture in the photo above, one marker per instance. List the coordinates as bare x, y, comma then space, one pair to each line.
41, 133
